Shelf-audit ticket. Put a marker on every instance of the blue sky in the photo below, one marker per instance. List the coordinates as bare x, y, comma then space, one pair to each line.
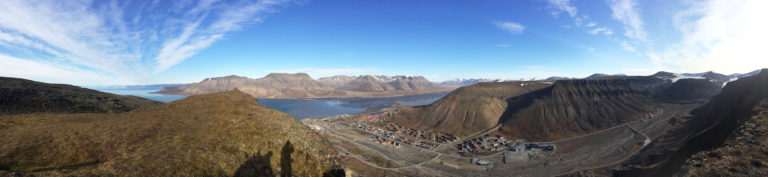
146, 42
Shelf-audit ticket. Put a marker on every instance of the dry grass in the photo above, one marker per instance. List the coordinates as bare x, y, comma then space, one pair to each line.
220, 134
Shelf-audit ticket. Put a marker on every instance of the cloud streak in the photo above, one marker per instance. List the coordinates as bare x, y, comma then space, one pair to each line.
511, 27
127, 40
626, 12
563, 6
604, 31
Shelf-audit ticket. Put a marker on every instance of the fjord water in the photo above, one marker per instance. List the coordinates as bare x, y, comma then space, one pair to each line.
323, 107
140, 91
298, 108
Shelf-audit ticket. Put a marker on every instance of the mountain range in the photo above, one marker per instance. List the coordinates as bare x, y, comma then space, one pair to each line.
724, 137
301, 85
543, 111
464, 82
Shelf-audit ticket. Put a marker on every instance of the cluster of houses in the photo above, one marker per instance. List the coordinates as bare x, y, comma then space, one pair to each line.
490, 143
367, 128
437, 137
485, 143
397, 135
397, 141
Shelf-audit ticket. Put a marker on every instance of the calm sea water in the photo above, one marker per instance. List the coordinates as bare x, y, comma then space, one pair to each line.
322, 107
299, 108
140, 91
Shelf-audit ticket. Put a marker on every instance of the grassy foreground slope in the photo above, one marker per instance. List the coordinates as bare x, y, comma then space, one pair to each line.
219, 134
19, 96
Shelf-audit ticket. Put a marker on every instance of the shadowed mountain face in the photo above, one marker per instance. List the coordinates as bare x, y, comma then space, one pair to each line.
710, 126
220, 134
19, 96
575, 107
300, 85
542, 111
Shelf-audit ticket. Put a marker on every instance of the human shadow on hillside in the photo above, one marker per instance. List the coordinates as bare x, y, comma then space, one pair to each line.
285, 159
258, 165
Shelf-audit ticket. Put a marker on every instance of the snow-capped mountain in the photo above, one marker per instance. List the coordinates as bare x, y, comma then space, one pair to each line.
463, 82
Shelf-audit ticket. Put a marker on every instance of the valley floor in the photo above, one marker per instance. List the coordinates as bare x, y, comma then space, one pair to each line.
369, 155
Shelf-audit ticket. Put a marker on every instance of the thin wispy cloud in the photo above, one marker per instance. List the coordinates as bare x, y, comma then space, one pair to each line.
511, 27
125, 40
626, 46
563, 6
604, 31
12, 66
626, 12
721, 35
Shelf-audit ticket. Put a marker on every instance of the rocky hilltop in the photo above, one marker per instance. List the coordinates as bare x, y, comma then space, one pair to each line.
221, 134
542, 111
300, 85
19, 96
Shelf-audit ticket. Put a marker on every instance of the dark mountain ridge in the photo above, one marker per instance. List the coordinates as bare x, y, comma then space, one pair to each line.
19, 96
